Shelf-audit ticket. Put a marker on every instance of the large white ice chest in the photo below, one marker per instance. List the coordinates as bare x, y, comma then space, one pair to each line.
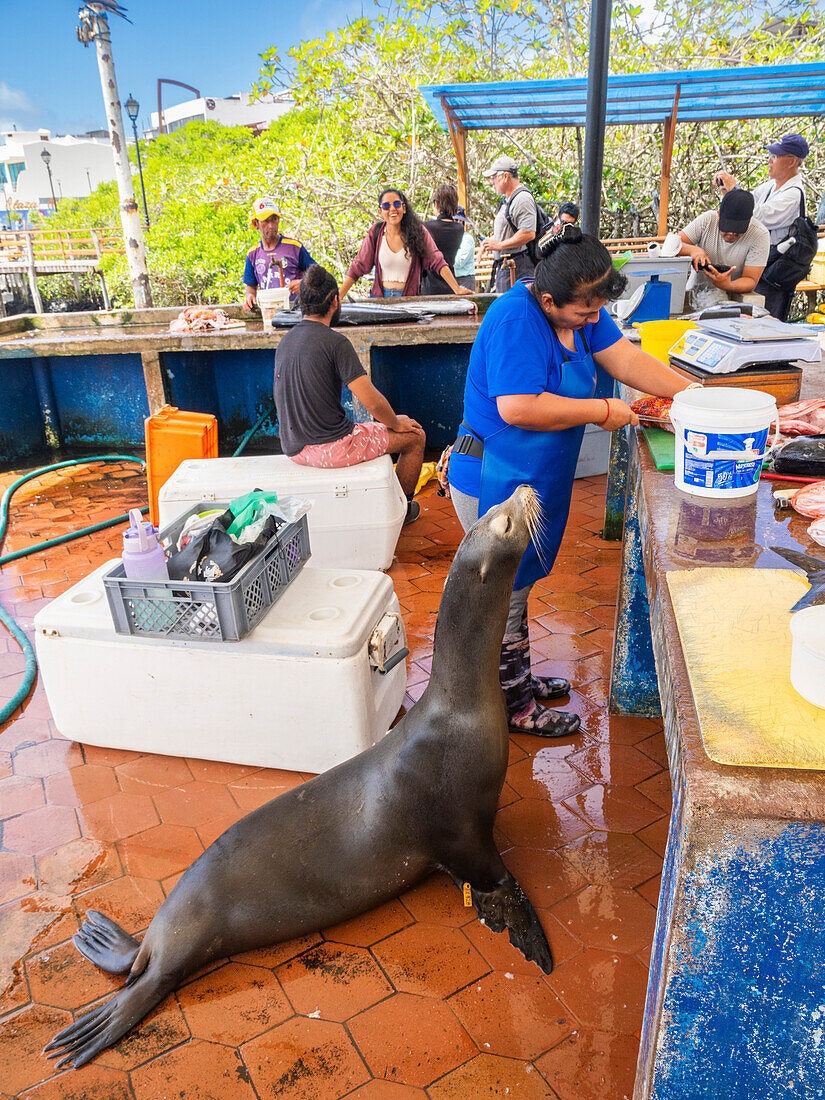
357, 511
301, 691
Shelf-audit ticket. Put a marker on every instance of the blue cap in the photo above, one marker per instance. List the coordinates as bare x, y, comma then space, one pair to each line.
791, 145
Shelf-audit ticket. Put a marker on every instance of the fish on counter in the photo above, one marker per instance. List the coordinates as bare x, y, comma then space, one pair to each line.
203, 319
803, 417
800, 457
653, 412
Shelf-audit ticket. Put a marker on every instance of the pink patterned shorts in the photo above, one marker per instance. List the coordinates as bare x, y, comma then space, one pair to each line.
364, 442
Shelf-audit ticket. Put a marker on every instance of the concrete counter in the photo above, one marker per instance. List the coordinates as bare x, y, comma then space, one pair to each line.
734, 1004
89, 380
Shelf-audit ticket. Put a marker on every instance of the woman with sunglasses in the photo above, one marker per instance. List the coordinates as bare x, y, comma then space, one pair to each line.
398, 249
528, 397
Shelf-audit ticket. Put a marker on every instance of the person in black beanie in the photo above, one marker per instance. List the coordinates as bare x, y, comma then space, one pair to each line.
729, 250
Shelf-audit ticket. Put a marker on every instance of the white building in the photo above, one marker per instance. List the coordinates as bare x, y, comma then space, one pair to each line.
78, 165
234, 110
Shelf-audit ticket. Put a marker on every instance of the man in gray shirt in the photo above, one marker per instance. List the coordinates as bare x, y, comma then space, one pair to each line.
729, 250
515, 222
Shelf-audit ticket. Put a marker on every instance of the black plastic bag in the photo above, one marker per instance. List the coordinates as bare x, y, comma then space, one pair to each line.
213, 555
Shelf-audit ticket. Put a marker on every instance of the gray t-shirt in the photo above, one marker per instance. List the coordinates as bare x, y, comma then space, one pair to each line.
522, 216
312, 364
751, 250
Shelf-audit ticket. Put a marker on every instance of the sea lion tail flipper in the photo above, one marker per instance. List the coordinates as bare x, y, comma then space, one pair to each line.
78, 1043
507, 906
105, 943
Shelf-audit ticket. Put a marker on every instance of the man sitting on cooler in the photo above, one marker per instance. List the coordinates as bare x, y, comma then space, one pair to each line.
312, 364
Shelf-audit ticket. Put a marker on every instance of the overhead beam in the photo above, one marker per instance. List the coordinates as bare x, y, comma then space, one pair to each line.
667, 157
458, 137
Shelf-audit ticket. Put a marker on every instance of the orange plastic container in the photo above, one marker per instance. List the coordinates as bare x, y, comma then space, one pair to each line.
171, 437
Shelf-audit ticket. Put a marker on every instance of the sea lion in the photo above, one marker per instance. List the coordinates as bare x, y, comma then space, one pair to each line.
423, 798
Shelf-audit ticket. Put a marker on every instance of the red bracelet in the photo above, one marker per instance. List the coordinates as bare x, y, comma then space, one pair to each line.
608, 412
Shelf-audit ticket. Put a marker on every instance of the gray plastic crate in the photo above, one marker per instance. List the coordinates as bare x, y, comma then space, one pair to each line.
203, 610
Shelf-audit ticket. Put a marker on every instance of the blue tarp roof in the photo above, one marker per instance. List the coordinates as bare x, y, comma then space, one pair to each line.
771, 91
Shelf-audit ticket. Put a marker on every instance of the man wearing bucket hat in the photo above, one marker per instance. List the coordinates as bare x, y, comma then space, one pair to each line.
277, 260
778, 204
728, 248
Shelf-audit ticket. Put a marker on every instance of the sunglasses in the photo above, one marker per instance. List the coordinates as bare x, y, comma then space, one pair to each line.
396, 205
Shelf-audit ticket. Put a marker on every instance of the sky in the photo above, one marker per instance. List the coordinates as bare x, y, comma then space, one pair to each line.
48, 79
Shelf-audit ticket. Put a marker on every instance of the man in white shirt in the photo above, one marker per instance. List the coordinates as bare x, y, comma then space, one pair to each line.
777, 205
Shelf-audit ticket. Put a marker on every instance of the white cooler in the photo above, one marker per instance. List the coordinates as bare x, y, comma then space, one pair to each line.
304, 690
356, 516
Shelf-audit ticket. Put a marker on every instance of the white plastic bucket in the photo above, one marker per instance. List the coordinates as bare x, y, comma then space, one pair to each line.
272, 300
808, 654
721, 439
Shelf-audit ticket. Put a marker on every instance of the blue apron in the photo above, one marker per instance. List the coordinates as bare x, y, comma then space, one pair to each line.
544, 460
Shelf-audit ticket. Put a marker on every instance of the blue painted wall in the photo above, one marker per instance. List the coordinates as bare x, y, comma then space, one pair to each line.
745, 1005
426, 383
21, 426
101, 399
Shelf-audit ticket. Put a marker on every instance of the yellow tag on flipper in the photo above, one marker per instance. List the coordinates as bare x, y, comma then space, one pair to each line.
468, 896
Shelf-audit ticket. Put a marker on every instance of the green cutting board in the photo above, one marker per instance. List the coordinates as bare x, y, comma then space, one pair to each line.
662, 446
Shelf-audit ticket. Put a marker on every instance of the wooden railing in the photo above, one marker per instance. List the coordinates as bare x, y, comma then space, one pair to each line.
47, 246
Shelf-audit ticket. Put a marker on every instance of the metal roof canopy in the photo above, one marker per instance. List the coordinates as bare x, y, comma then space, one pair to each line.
708, 95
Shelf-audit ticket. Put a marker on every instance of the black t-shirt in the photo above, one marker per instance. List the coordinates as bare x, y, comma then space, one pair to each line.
447, 235
312, 364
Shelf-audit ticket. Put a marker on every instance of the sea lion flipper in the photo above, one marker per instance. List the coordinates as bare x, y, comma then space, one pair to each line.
507, 906
78, 1043
105, 943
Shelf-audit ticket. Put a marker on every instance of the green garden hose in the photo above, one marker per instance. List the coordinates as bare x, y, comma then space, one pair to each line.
22, 692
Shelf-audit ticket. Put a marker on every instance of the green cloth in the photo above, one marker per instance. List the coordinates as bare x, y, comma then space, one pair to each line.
249, 508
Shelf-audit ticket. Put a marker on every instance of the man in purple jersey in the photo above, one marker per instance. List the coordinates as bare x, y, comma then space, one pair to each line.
262, 268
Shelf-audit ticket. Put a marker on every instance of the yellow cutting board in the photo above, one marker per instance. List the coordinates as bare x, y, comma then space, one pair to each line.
733, 624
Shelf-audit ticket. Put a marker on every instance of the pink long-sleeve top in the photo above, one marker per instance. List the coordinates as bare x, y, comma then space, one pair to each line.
367, 258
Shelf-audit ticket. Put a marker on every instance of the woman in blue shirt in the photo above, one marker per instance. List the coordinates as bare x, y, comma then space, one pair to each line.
527, 399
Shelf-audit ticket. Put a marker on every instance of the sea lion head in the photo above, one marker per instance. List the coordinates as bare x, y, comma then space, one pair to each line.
495, 544
476, 597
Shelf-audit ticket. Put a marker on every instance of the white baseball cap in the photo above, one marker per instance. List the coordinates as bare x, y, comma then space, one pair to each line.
264, 208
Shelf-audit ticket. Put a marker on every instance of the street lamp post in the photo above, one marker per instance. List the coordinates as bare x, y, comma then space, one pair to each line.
132, 108
46, 157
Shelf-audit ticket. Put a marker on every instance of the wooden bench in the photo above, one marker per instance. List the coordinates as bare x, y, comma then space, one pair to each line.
484, 269
810, 289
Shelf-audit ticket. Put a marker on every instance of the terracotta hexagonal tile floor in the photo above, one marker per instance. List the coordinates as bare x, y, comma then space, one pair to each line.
414, 999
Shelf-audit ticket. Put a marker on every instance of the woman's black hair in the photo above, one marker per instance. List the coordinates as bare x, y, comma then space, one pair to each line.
412, 231
576, 267
445, 197
318, 288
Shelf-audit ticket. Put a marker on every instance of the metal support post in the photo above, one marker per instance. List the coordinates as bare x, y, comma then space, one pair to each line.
598, 63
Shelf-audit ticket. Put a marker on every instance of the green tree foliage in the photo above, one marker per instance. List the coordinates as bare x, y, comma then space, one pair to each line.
360, 124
